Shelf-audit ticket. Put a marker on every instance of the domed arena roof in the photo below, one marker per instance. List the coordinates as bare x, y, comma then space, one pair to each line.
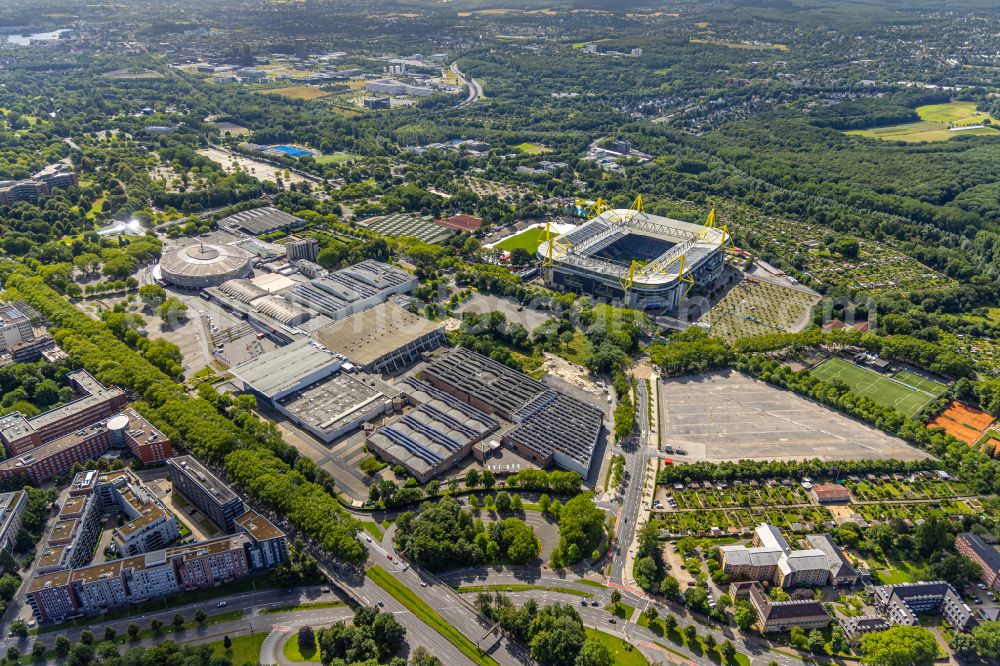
204, 265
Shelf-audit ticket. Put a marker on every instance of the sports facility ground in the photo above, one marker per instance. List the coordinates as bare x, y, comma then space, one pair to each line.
728, 416
963, 422
906, 392
528, 240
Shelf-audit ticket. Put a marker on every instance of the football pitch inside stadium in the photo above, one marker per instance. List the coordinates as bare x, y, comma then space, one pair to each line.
906, 392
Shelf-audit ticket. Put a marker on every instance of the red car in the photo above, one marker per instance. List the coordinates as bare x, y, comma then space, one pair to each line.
388, 555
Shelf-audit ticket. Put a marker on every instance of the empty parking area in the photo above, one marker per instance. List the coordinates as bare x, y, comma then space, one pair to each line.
729, 416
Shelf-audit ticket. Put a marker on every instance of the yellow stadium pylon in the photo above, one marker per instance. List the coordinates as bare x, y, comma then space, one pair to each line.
637, 204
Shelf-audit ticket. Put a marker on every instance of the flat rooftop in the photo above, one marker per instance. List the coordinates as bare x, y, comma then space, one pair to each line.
559, 425
367, 336
333, 402
257, 525
281, 370
203, 477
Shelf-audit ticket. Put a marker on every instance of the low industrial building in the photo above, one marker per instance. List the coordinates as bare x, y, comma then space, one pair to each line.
382, 339
770, 558
260, 221
783, 615
281, 371
434, 436
985, 556
206, 491
550, 427
901, 604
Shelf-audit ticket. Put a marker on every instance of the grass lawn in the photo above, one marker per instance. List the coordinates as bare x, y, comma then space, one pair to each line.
336, 158
620, 610
933, 124
97, 206
532, 148
624, 654
299, 607
592, 583
292, 653
428, 615
907, 394
244, 650
522, 588
297, 92
372, 529
899, 572
529, 240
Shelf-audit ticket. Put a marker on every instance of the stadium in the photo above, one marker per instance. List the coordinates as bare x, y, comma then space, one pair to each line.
628, 256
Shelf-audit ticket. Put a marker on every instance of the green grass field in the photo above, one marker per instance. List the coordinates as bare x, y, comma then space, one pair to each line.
532, 148
336, 158
618, 648
933, 124
907, 393
291, 651
529, 240
245, 649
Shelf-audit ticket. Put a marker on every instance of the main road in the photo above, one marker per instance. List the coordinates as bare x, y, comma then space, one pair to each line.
475, 89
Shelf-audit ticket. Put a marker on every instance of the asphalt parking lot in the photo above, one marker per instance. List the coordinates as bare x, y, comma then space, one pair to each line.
728, 416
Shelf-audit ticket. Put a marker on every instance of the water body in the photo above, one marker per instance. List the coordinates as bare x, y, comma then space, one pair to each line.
25, 40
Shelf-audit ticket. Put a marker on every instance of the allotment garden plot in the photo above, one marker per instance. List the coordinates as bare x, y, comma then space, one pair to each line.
906, 392
729, 416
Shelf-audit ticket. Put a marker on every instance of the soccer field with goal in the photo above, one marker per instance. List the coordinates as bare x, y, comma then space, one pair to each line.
906, 392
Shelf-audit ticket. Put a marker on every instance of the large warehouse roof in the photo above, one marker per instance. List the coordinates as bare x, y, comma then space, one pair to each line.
558, 425
503, 388
549, 423
259, 221
369, 335
276, 372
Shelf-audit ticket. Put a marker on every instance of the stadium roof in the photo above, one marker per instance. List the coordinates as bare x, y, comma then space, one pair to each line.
580, 245
264, 220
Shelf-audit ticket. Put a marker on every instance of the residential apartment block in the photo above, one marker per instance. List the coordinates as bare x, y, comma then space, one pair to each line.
100, 587
770, 558
986, 557
783, 615
91, 435
29, 189
15, 327
900, 604
206, 491
12, 506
